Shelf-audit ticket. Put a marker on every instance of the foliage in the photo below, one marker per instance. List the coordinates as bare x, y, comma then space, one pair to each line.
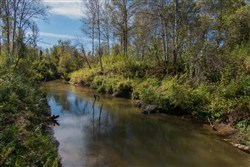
238, 26
65, 58
17, 19
189, 56
44, 66
145, 90
183, 93
84, 76
24, 140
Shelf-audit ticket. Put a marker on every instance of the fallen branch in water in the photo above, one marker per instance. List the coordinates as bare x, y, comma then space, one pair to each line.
213, 127
53, 117
54, 121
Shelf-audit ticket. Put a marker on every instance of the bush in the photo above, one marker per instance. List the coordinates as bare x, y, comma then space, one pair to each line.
123, 88
24, 139
145, 89
85, 76
146, 80
97, 82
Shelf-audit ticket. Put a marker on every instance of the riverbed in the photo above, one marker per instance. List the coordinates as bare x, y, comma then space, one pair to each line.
112, 132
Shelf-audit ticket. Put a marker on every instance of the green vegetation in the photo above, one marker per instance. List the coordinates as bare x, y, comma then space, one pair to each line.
202, 98
185, 57
52, 64
63, 58
25, 138
225, 99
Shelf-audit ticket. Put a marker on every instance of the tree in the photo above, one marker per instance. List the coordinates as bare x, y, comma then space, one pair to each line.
238, 27
6, 25
65, 57
17, 18
85, 56
1, 30
92, 21
89, 21
106, 27
123, 12
180, 36
160, 17
98, 10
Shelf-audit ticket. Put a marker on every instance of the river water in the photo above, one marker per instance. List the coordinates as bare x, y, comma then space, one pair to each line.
111, 132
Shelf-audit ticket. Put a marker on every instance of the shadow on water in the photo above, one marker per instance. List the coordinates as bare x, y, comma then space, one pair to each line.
112, 132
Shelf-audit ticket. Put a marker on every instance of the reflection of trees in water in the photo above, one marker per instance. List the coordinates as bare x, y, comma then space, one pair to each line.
104, 137
130, 136
112, 136
69, 102
96, 122
88, 112
61, 99
101, 120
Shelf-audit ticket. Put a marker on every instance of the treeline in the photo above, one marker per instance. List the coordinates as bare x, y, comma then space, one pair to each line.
191, 36
57, 62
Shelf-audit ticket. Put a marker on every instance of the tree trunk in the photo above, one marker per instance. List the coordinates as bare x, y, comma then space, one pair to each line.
1, 8
99, 35
164, 40
175, 51
93, 37
84, 54
7, 17
107, 26
108, 43
14, 27
125, 29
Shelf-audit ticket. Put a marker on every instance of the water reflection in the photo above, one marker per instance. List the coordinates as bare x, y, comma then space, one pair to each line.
111, 132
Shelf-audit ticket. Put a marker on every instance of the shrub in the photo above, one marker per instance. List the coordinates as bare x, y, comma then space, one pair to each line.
85, 75
123, 88
24, 138
97, 81
144, 89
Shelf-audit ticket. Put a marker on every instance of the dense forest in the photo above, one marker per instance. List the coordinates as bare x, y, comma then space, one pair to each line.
183, 57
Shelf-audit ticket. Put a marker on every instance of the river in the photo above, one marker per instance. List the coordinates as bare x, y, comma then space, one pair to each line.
111, 132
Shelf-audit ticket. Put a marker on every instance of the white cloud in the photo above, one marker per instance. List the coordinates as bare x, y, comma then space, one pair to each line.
52, 35
69, 8
66, 1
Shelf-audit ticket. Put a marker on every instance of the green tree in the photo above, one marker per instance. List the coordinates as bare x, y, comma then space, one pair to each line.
66, 58
17, 17
238, 27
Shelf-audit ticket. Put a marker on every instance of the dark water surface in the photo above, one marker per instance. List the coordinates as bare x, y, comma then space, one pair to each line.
113, 133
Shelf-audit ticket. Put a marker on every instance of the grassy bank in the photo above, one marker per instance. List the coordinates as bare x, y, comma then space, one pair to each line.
225, 99
25, 138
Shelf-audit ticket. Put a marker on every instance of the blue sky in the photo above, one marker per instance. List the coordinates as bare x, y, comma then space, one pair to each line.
63, 23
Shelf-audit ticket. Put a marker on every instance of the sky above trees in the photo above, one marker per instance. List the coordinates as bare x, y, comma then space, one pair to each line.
63, 22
